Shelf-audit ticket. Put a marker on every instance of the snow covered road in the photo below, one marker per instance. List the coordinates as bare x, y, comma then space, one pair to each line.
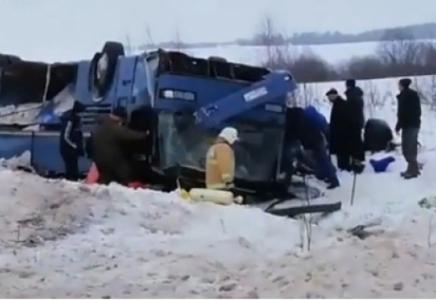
62, 239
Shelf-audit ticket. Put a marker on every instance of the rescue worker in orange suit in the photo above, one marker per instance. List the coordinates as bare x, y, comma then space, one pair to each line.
71, 140
220, 160
109, 143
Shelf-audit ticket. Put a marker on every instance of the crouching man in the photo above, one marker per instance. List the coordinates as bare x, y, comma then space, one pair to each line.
301, 130
220, 160
110, 148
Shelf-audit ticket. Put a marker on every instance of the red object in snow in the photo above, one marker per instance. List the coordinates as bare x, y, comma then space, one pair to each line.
137, 185
93, 175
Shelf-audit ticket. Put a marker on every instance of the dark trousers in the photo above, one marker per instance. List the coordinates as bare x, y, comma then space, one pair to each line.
352, 152
343, 161
321, 163
409, 147
71, 163
118, 171
325, 168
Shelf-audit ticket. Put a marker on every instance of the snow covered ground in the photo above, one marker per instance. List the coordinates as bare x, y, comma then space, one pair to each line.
60, 239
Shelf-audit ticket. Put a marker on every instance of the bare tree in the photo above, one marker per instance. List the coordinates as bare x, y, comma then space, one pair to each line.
177, 42
372, 94
267, 36
400, 51
149, 37
128, 45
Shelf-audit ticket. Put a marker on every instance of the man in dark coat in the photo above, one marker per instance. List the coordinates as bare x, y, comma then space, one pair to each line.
71, 140
110, 143
339, 142
409, 123
354, 95
301, 130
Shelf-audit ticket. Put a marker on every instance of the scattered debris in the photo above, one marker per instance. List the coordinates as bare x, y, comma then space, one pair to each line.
361, 232
399, 286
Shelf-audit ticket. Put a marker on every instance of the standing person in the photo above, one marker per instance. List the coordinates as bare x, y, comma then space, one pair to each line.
220, 160
354, 95
409, 123
71, 140
301, 130
110, 144
339, 139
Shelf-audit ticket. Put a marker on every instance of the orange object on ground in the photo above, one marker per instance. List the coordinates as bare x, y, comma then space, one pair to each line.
93, 175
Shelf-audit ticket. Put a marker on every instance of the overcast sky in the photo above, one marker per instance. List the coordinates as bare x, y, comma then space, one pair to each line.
68, 22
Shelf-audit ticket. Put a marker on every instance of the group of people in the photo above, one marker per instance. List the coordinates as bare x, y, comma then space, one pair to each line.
308, 138
306, 131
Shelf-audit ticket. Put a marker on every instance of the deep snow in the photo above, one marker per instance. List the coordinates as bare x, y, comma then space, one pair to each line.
62, 239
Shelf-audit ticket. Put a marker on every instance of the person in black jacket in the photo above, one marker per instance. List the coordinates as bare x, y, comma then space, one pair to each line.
71, 140
300, 131
409, 123
339, 139
354, 95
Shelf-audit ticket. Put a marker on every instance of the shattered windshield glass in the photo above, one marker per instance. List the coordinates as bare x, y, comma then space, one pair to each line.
184, 144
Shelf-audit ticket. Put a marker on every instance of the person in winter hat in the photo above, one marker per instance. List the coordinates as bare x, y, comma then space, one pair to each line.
409, 123
220, 160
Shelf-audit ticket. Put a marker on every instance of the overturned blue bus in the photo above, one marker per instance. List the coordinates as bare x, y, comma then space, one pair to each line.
185, 100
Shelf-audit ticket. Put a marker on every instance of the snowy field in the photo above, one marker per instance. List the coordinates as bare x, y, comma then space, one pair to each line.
61, 239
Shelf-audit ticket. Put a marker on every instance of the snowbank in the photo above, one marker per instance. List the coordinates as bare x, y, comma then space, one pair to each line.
61, 239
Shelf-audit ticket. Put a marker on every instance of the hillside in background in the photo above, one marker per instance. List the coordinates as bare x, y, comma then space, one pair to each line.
417, 31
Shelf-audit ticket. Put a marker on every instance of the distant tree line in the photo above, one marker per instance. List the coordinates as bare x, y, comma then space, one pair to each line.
418, 31
399, 53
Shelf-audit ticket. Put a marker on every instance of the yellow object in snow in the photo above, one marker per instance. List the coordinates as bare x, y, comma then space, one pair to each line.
184, 194
214, 196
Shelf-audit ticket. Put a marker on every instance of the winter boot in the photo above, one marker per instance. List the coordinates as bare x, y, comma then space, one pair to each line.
413, 171
407, 171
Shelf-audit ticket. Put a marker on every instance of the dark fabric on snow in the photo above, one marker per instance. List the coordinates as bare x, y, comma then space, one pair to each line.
409, 110
110, 142
378, 135
381, 165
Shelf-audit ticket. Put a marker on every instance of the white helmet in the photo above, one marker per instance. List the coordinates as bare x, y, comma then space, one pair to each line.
229, 134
